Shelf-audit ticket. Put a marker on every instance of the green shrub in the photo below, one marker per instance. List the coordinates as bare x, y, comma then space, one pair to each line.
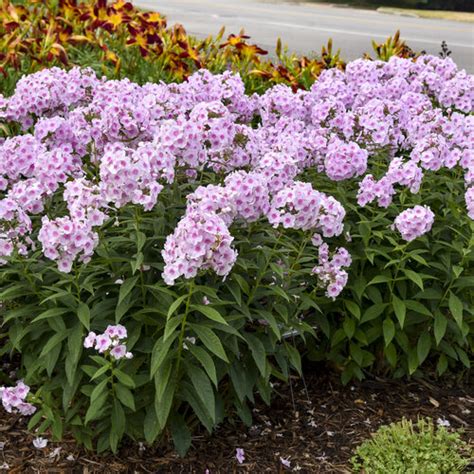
408, 448
405, 303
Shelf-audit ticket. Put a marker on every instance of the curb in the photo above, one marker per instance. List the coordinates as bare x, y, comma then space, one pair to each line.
429, 14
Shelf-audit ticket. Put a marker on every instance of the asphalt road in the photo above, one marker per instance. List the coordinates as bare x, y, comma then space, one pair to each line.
305, 27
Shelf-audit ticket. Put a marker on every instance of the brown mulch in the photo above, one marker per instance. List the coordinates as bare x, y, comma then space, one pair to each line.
315, 428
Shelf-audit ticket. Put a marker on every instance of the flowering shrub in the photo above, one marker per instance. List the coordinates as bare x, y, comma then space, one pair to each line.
215, 236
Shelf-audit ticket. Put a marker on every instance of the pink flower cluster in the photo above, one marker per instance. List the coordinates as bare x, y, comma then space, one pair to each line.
106, 144
110, 342
414, 222
330, 271
407, 174
299, 206
14, 399
200, 241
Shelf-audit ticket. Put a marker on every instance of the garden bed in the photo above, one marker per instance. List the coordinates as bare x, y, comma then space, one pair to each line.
318, 432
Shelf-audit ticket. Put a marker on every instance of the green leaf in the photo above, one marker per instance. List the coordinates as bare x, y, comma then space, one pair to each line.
294, 357
417, 307
391, 354
95, 409
279, 292
412, 361
210, 313
53, 342
75, 342
204, 390
359, 286
125, 396
100, 371
442, 364
349, 327
159, 353
440, 325
124, 378
99, 390
84, 315
234, 288
374, 311
171, 325
356, 354
51, 313
267, 316
388, 331
258, 352
126, 288
414, 277
118, 424
164, 404
400, 309
423, 347
456, 308
206, 361
241, 282
175, 305
162, 378
353, 308
141, 239
463, 357
208, 337
380, 279
181, 435
151, 427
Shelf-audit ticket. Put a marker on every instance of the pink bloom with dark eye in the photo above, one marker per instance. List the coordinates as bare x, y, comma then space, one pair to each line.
102, 343
119, 352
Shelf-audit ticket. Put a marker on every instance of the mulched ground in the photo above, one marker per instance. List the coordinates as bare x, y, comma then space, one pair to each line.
314, 425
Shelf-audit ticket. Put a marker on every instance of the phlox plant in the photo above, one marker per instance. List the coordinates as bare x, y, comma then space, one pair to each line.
170, 250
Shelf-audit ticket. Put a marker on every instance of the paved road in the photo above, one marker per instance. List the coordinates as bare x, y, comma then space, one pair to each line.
305, 27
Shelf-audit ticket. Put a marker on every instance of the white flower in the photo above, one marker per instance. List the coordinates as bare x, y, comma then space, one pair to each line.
118, 281
285, 462
55, 453
5, 466
70, 458
443, 422
40, 443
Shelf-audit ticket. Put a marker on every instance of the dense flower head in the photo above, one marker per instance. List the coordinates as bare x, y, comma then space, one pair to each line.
345, 160
48, 90
110, 342
63, 239
127, 176
200, 241
249, 194
14, 399
414, 222
299, 206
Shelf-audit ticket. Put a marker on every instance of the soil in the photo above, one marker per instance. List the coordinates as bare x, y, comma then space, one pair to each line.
314, 424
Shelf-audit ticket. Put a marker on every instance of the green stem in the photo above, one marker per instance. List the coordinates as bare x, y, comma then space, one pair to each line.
262, 273
183, 326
